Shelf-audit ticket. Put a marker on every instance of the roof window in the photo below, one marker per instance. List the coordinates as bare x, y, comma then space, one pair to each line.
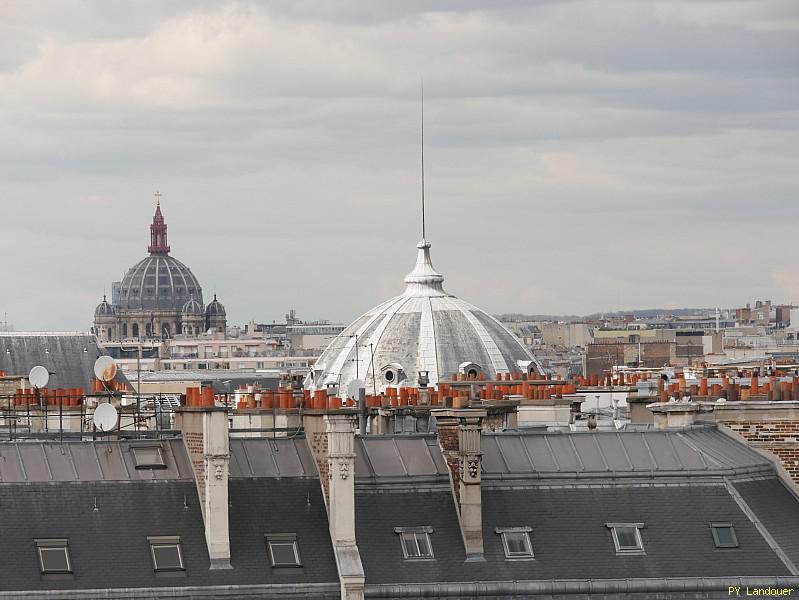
627, 537
415, 542
724, 535
283, 550
53, 556
149, 457
166, 553
516, 542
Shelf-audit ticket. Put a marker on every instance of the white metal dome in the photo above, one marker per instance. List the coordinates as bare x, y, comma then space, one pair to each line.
423, 329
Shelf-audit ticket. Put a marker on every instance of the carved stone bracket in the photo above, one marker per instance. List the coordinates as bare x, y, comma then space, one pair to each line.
217, 463
470, 468
345, 464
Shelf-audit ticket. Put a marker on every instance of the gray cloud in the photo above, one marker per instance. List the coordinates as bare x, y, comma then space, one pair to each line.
581, 156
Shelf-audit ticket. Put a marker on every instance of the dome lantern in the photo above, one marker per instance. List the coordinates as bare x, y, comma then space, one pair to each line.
158, 237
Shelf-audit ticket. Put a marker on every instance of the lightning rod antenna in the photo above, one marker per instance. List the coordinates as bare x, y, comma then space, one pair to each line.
422, 97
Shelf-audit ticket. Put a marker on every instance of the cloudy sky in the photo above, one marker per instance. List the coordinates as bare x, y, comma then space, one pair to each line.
580, 156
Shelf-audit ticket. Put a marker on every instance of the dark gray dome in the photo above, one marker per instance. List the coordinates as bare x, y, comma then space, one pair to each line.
104, 309
215, 308
158, 282
192, 307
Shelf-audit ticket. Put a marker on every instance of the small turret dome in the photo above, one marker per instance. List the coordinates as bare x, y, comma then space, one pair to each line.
192, 307
104, 309
215, 308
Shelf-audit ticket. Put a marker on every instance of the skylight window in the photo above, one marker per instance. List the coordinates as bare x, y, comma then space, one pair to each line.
627, 537
415, 542
516, 541
166, 553
53, 556
283, 549
724, 535
149, 457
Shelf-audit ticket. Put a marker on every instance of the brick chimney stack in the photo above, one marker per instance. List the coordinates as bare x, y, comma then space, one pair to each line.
205, 433
459, 437
340, 429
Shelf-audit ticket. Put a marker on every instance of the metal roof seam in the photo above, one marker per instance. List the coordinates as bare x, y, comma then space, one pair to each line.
552, 454
601, 453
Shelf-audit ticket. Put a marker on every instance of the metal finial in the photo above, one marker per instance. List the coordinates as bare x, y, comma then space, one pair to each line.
422, 144
158, 198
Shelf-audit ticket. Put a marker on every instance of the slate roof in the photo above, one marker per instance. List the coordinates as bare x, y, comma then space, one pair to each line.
569, 536
69, 357
777, 509
566, 487
47, 494
570, 539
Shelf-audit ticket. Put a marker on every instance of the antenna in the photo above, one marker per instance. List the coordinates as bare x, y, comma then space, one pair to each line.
353, 387
38, 377
422, 144
105, 417
105, 369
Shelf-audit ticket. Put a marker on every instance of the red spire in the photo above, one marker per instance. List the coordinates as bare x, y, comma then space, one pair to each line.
158, 241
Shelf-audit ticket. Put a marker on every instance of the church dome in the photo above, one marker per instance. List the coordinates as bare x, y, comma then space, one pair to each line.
423, 329
159, 281
104, 309
215, 308
192, 307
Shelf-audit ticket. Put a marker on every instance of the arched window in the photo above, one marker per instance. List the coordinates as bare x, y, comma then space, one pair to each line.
135, 330
124, 330
149, 329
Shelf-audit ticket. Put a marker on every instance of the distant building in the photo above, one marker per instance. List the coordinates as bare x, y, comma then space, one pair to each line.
567, 334
159, 297
67, 356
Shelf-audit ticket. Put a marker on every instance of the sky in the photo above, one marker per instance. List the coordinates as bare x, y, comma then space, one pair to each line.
579, 156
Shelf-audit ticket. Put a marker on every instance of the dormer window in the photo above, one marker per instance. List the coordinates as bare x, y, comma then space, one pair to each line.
471, 369
283, 550
166, 553
415, 542
149, 457
53, 556
516, 542
393, 373
627, 537
724, 535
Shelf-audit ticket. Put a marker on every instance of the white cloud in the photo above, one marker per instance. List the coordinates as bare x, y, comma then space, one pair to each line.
570, 146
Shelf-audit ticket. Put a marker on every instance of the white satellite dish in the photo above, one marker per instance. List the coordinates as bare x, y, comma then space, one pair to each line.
39, 376
105, 369
353, 387
105, 417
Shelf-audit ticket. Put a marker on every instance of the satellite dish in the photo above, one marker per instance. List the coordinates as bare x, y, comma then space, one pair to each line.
353, 387
39, 376
105, 369
105, 417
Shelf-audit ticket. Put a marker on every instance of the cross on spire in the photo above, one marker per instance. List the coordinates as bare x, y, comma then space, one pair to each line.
158, 198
